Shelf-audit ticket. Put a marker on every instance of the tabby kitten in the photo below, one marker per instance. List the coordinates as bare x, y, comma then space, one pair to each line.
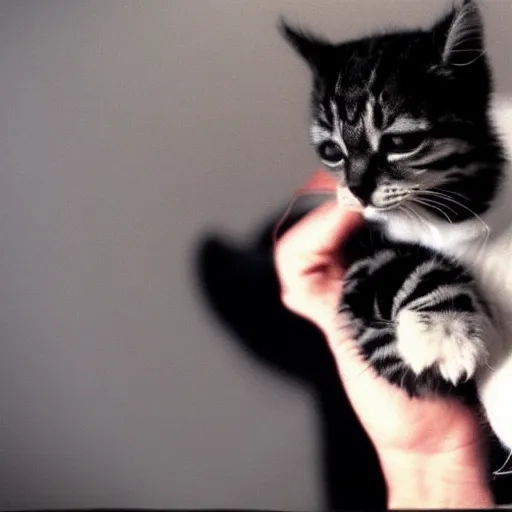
403, 120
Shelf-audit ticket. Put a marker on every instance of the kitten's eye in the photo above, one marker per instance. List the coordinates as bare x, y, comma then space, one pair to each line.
330, 152
402, 143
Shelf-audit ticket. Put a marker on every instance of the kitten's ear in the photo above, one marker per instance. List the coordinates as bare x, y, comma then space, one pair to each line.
461, 34
317, 52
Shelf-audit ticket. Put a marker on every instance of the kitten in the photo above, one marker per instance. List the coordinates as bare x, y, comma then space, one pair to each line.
403, 120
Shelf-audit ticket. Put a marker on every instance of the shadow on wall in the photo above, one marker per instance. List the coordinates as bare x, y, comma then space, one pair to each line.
240, 285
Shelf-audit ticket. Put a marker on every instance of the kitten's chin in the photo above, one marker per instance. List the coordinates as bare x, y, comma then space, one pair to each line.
397, 224
380, 214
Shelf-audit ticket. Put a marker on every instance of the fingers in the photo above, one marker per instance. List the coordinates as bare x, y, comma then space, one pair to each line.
314, 240
308, 263
320, 180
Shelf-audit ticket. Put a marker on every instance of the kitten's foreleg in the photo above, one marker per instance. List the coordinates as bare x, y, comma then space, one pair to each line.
417, 316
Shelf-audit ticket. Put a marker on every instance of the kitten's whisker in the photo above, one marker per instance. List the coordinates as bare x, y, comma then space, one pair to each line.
466, 50
445, 194
481, 54
404, 373
449, 192
439, 206
420, 216
431, 192
458, 203
430, 205
426, 199
413, 213
500, 471
406, 212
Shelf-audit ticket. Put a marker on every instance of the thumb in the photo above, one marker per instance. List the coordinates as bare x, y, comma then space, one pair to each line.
309, 265
317, 238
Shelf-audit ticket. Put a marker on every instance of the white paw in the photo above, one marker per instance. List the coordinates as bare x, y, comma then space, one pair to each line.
452, 341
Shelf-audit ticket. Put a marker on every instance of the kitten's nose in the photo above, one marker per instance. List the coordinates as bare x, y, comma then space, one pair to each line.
360, 179
361, 193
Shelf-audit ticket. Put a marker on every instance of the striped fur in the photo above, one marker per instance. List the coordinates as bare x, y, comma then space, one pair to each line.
417, 316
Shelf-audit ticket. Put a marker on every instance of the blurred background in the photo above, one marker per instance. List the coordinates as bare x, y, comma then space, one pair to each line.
128, 129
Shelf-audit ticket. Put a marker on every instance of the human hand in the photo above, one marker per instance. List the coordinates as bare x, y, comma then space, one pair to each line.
427, 445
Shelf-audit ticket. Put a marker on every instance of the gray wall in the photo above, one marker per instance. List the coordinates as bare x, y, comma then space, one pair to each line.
127, 128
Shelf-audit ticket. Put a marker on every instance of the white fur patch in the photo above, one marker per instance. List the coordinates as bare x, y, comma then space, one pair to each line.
338, 127
372, 133
395, 157
406, 124
452, 341
319, 134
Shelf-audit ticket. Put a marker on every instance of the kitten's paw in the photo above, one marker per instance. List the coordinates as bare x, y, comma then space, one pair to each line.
451, 341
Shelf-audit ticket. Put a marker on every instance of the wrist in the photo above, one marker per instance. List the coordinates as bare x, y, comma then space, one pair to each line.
442, 481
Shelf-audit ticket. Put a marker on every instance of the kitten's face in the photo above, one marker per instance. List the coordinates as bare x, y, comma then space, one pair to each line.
401, 119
